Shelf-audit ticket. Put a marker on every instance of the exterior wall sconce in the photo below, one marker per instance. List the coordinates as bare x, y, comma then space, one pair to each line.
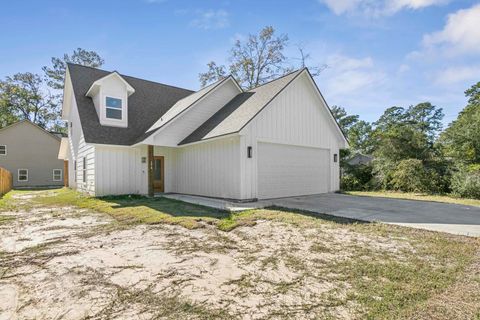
144, 159
249, 152
335, 157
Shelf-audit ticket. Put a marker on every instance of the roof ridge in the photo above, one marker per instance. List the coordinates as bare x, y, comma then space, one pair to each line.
31, 123
213, 86
282, 76
125, 75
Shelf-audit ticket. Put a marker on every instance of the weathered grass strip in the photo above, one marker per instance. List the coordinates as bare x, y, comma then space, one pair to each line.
416, 196
138, 209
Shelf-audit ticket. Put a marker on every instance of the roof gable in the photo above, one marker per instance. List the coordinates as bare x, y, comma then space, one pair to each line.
28, 122
237, 113
339, 130
95, 85
150, 101
189, 101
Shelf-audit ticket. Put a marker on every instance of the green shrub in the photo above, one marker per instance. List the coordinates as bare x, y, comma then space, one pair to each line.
382, 172
435, 182
466, 182
410, 176
358, 178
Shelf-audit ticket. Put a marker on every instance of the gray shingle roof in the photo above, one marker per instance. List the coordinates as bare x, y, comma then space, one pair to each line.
360, 159
184, 104
237, 113
150, 101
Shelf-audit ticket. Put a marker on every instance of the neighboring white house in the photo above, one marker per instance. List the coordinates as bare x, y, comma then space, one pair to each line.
132, 136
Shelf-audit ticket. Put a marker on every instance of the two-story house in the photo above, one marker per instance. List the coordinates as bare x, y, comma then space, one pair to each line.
30, 153
134, 136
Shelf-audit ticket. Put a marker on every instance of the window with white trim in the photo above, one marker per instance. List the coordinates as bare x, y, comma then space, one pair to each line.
22, 175
3, 150
57, 174
113, 108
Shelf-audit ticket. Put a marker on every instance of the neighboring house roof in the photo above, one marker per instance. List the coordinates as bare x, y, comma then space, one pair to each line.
360, 159
51, 134
237, 113
150, 101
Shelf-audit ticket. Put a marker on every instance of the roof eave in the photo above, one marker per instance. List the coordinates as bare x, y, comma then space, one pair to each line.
172, 120
226, 135
97, 83
339, 130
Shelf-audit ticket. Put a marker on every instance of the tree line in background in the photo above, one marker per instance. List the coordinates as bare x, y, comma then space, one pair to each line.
411, 152
38, 98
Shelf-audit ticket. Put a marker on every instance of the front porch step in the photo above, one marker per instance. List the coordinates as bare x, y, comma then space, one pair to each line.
217, 203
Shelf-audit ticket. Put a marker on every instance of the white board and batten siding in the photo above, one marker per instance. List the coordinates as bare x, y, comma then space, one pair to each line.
175, 131
300, 124
210, 169
79, 149
86, 151
119, 170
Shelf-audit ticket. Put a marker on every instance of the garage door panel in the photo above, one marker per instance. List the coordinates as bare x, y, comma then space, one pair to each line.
285, 170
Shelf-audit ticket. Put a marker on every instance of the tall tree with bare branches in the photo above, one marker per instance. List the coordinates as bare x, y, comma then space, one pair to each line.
254, 61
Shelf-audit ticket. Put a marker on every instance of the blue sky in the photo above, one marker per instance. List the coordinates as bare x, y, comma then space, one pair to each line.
379, 53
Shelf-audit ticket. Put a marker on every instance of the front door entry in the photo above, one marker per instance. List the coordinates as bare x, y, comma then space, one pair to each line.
158, 174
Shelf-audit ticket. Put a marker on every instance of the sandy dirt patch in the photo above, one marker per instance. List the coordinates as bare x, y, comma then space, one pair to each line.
68, 263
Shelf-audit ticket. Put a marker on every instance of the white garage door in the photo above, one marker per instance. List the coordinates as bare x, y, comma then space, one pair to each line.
285, 170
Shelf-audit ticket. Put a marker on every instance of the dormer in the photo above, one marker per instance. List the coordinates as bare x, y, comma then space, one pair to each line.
110, 97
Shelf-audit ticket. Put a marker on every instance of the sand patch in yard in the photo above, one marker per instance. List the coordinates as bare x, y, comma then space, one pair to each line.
70, 263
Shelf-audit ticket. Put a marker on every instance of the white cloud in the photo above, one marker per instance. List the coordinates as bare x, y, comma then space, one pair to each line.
341, 6
403, 68
211, 19
461, 33
346, 75
377, 7
397, 5
453, 75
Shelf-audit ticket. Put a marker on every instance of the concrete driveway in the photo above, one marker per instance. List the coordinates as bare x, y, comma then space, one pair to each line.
451, 218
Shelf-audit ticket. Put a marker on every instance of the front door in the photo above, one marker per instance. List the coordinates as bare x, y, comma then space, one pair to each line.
158, 174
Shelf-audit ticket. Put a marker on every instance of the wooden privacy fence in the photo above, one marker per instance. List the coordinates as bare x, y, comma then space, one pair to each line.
5, 181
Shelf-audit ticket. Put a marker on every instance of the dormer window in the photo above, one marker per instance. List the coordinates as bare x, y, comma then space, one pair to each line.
110, 96
113, 107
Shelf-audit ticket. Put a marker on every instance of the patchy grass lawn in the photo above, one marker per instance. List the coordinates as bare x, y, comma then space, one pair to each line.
68, 256
416, 196
136, 209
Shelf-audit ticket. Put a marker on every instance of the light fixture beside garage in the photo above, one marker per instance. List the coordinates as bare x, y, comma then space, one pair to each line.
249, 151
335, 157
